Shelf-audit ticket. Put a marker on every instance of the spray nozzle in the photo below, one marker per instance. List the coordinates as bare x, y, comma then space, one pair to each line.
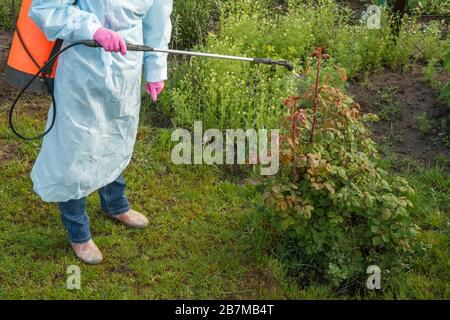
285, 64
271, 62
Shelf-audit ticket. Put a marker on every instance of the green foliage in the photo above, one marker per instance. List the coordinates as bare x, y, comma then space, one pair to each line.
5, 13
430, 6
192, 19
340, 209
445, 94
423, 122
391, 109
430, 72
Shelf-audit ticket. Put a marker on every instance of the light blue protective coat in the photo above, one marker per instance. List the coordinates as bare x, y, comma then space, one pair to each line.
97, 93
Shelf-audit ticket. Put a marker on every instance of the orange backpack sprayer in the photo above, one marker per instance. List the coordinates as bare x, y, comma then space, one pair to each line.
33, 58
30, 50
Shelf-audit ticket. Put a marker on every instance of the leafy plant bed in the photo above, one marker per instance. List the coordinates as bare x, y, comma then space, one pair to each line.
415, 123
234, 95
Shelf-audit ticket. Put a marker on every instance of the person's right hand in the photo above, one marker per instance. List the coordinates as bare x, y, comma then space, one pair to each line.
110, 41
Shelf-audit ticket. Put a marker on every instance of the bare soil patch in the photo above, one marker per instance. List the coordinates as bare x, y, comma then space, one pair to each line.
414, 122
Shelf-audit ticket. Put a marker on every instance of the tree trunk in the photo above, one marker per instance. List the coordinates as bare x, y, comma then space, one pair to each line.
400, 6
398, 11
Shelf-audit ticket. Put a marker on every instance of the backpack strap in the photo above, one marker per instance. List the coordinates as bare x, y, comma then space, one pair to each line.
56, 48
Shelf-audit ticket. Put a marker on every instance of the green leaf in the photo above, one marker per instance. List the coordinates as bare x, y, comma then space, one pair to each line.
307, 214
375, 229
286, 223
387, 214
376, 241
412, 3
328, 136
445, 94
447, 62
341, 172
369, 202
293, 186
303, 186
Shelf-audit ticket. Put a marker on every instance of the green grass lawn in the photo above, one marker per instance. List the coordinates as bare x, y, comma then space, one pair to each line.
198, 244
204, 240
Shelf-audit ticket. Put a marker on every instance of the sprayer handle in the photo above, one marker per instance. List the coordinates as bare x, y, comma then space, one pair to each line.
130, 46
91, 44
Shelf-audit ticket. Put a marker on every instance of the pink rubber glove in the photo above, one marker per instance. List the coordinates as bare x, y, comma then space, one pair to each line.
110, 41
154, 89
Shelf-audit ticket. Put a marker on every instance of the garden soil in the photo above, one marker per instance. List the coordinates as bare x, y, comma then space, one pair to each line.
413, 97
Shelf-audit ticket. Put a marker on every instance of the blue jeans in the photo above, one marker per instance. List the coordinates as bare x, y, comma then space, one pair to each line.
73, 213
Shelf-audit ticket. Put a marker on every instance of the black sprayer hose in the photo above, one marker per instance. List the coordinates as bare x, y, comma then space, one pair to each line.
13, 106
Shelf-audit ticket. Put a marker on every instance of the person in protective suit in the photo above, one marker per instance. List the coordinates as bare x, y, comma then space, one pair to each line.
98, 92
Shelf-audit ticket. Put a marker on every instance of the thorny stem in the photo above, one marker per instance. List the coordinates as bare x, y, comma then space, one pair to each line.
294, 128
320, 54
316, 95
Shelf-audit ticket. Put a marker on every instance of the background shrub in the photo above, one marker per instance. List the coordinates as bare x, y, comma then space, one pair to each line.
445, 94
192, 19
228, 94
5, 13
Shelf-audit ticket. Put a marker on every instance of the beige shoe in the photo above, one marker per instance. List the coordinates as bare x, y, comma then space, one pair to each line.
88, 252
132, 219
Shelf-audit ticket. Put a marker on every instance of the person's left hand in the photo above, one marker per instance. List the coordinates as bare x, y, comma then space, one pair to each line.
154, 89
